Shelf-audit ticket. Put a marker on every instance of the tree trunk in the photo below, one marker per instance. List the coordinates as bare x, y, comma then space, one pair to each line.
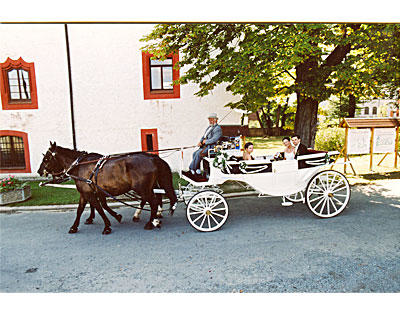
309, 74
261, 124
267, 118
278, 115
352, 105
305, 123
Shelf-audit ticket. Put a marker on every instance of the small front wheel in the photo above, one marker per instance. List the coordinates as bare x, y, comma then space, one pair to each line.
207, 211
327, 193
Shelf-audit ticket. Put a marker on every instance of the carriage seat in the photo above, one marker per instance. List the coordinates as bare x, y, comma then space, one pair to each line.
303, 161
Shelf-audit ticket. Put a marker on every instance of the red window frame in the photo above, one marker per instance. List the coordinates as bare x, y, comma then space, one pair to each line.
24, 137
175, 93
7, 103
154, 136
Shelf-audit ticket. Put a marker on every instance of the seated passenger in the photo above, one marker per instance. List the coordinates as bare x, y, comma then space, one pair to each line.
288, 153
248, 149
300, 149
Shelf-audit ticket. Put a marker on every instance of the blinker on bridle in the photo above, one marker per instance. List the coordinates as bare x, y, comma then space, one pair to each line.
53, 156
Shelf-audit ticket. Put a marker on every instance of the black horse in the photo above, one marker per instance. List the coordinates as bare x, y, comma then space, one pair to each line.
122, 173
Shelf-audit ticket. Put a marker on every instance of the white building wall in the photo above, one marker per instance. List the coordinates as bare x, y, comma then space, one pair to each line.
107, 80
45, 46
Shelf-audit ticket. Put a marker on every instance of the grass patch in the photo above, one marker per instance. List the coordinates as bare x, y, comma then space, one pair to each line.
263, 146
266, 146
49, 196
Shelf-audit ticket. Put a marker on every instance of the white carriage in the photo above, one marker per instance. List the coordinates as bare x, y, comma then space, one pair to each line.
309, 180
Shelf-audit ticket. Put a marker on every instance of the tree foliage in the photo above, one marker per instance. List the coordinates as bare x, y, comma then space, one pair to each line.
267, 62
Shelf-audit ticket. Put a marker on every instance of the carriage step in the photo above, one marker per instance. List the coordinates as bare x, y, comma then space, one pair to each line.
162, 191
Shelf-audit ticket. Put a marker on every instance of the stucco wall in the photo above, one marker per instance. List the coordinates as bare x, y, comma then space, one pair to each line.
109, 106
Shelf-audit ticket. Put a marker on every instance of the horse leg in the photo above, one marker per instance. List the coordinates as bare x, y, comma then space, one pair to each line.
153, 222
165, 182
136, 217
159, 205
79, 211
97, 205
104, 205
89, 220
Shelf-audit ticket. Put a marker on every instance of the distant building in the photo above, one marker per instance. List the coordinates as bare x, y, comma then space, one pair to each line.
378, 108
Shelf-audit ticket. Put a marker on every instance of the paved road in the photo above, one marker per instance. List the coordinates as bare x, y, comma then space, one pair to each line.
263, 247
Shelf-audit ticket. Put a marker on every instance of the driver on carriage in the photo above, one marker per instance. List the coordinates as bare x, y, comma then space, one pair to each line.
211, 136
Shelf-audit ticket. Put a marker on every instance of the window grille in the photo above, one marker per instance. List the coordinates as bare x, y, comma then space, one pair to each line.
12, 152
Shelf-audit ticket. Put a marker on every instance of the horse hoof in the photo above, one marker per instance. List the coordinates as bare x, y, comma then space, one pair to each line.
148, 226
88, 221
159, 216
136, 219
156, 223
106, 231
119, 218
73, 230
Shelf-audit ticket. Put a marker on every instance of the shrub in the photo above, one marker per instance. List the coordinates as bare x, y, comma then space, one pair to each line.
328, 139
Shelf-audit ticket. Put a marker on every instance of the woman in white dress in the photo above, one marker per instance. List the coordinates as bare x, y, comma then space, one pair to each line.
288, 152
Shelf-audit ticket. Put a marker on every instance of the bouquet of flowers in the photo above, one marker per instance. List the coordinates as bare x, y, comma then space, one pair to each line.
220, 160
242, 166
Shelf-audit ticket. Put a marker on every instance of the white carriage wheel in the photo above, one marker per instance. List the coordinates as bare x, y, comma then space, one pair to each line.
295, 197
327, 193
207, 211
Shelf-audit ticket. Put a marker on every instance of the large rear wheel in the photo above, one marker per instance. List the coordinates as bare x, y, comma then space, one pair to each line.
327, 193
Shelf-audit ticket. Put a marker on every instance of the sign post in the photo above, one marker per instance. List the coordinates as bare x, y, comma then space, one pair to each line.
371, 136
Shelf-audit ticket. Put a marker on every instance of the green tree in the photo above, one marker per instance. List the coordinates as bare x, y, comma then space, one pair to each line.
262, 62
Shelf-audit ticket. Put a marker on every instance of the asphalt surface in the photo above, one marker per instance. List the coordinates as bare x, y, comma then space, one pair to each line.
263, 247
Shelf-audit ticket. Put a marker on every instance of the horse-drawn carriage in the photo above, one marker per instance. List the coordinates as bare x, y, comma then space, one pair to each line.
308, 179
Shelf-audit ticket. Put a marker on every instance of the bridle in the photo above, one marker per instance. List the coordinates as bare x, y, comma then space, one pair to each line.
64, 172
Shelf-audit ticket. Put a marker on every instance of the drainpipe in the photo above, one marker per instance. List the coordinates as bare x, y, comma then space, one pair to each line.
70, 88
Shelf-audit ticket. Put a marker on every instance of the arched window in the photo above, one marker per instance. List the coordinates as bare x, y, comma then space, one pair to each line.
18, 85
374, 110
14, 152
366, 110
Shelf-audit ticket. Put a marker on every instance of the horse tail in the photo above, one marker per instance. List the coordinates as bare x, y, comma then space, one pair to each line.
165, 182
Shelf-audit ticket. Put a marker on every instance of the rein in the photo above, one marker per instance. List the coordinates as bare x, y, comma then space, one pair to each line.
109, 157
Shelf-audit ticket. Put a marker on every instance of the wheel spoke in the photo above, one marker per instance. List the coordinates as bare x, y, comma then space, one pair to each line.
317, 198
343, 195
334, 206
199, 218
323, 206
219, 209
195, 212
196, 207
314, 192
318, 204
338, 201
222, 216
202, 222
339, 189
208, 219
337, 184
216, 222
322, 183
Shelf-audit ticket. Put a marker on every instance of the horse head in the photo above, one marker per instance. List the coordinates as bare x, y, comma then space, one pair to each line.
50, 164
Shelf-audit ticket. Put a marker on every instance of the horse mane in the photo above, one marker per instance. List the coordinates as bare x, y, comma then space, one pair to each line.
72, 153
